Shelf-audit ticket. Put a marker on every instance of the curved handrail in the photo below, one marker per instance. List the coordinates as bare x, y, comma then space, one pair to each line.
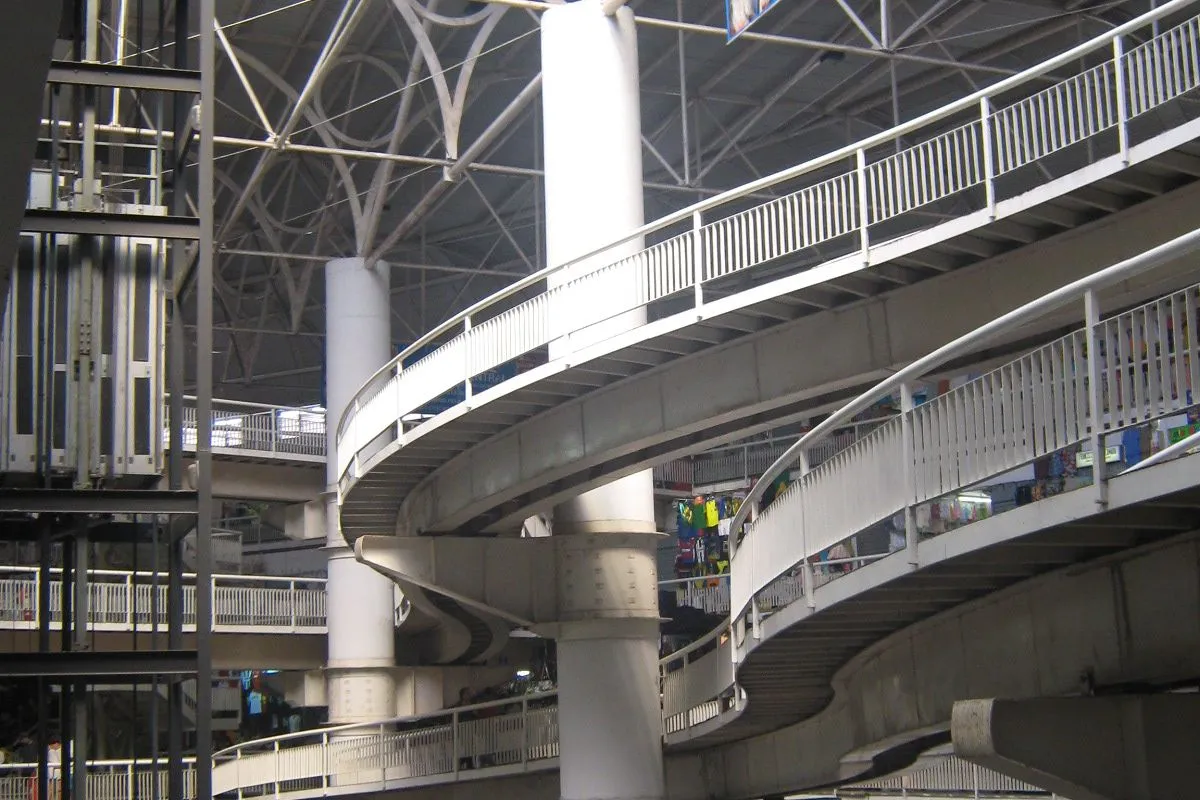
895, 440
853, 195
700, 643
446, 727
373, 727
416, 747
1168, 251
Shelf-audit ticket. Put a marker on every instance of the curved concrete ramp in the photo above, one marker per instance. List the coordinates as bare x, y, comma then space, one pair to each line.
667, 411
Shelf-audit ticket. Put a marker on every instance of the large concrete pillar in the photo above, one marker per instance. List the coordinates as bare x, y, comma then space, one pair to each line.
360, 686
1122, 747
609, 718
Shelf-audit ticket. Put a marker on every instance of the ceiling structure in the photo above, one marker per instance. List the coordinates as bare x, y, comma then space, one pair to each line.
409, 130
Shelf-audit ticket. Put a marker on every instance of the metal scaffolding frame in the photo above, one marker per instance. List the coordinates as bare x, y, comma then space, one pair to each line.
68, 516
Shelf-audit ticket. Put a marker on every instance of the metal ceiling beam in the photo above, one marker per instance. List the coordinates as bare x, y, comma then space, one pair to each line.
321, 259
861, 25
348, 20
787, 41
498, 126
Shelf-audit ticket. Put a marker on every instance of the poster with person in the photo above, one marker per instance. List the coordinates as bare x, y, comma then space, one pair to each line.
740, 14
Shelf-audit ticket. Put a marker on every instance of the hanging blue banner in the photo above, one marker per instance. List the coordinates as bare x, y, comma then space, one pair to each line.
741, 14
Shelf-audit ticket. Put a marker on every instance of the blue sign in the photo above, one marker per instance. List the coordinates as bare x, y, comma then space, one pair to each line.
741, 14
458, 394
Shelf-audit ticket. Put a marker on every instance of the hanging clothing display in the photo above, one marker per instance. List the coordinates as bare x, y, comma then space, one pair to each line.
703, 526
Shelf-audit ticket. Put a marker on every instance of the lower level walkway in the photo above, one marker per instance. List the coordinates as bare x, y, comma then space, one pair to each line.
940, 776
259, 621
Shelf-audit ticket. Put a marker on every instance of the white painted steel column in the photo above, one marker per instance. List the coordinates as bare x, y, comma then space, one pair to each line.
609, 720
360, 685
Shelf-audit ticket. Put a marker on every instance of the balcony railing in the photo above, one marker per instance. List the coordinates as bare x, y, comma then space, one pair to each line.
106, 780
499, 737
1120, 373
255, 430
128, 601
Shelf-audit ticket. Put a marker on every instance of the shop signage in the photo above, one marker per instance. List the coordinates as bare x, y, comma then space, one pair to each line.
1084, 458
1175, 435
741, 14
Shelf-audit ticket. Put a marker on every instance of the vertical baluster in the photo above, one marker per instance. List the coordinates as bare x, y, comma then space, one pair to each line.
1154, 331
466, 361
1139, 354
1037, 408
1054, 419
1186, 341
1162, 356
1179, 348
454, 736
1075, 384
697, 262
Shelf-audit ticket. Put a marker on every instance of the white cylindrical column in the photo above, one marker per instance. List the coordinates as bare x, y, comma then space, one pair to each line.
593, 163
360, 685
609, 720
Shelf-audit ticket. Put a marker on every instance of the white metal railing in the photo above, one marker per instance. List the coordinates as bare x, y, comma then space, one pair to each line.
972, 150
698, 683
125, 601
748, 460
285, 433
512, 734
106, 780
1130, 369
709, 594
949, 775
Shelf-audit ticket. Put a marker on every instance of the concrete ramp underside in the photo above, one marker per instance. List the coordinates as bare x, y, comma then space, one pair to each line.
1043, 601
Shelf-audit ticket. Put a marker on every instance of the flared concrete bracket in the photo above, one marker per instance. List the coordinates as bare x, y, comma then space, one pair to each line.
1125, 747
535, 583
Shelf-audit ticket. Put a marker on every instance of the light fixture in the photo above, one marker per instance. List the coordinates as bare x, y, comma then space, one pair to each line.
974, 497
522, 674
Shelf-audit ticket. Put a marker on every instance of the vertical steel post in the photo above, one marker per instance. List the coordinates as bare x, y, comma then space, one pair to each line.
466, 361
860, 159
698, 264
1122, 99
204, 388
908, 446
1091, 308
989, 154
684, 122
